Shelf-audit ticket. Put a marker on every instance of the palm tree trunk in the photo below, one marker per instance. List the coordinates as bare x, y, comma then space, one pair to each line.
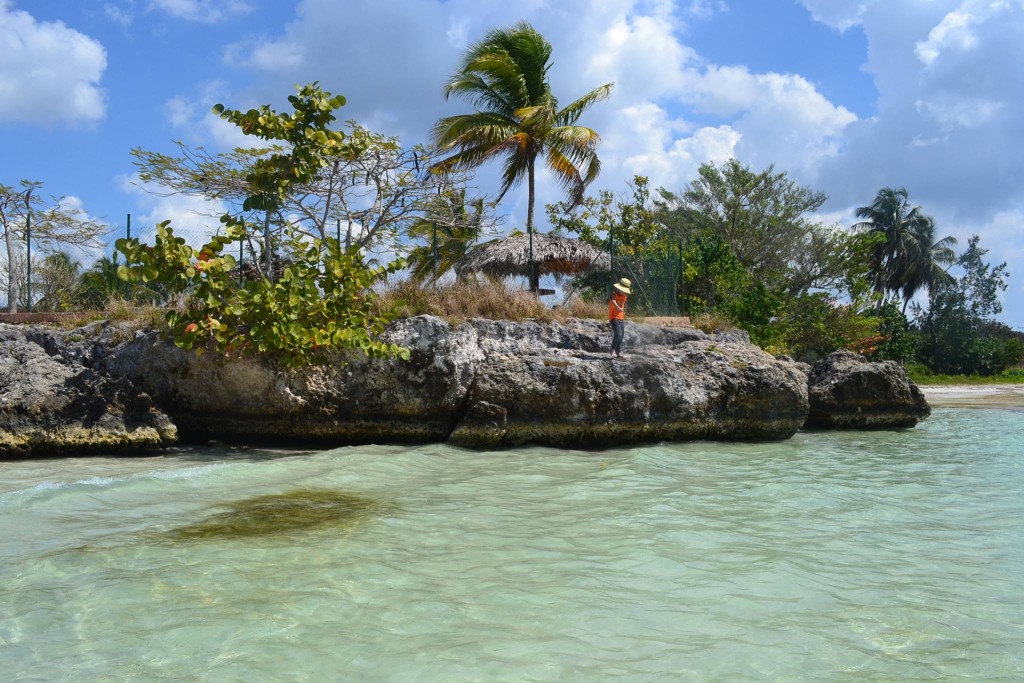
534, 279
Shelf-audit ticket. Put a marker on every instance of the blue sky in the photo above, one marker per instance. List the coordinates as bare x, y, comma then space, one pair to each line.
847, 96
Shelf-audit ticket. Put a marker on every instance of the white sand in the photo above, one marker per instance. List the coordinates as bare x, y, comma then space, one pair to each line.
969, 396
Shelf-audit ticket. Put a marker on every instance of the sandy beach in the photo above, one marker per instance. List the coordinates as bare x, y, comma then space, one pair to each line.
973, 396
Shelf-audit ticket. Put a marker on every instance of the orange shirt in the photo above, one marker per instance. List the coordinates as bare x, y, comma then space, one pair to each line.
617, 306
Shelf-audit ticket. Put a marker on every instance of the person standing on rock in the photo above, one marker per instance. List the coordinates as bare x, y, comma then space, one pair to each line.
617, 314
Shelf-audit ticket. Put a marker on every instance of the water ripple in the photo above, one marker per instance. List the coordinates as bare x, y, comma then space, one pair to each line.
831, 556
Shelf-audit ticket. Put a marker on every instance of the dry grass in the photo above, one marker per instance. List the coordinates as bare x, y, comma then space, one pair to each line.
454, 302
138, 316
460, 301
713, 322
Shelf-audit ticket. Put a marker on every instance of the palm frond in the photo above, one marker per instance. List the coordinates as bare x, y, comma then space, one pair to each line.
573, 111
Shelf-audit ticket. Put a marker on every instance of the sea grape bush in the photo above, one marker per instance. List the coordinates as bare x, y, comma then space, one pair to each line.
323, 300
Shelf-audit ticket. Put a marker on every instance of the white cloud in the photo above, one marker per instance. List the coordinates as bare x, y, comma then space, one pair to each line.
280, 56
458, 32
839, 14
193, 117
204, 11
123, 14
953, 32
49, 72
180, 111
950, 111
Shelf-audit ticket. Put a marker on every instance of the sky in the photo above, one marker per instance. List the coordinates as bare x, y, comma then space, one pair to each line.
846, 96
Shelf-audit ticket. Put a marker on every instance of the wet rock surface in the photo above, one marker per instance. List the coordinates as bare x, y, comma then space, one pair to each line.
848, 392
53, 404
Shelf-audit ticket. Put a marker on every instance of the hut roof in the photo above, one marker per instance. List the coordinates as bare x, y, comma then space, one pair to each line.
511, 256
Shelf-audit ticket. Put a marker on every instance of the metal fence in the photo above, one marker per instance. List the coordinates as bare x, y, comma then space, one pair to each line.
657, 279
54, 275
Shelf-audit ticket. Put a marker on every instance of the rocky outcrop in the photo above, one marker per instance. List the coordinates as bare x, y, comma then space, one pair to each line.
848, 392
556, 385
50, 403
479, 384
485, 384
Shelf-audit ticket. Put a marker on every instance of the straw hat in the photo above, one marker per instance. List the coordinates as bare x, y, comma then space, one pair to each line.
623, 286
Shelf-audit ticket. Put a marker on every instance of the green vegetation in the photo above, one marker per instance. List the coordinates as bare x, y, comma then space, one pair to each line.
505, 77
322, 300
907, 258
49, 222
922, 375
310, 205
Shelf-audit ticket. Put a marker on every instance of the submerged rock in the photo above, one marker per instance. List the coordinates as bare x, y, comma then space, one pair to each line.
53, 404
848, 392
284, 513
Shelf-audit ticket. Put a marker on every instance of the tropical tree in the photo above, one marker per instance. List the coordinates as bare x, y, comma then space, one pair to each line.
909, 258
924, 264
370, 194
323, 299
59, 280
505, 77
959, 334
450, 227
50, 223
764, 219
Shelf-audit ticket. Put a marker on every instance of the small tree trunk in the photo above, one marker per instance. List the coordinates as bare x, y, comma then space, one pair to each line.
534, 277
12, 275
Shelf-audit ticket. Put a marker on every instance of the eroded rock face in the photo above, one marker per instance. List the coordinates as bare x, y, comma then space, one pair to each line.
848, 392
52, 403
480, 384
675, 384
485, 384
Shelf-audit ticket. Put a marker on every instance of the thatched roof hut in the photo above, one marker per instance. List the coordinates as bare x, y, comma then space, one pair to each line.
553, 255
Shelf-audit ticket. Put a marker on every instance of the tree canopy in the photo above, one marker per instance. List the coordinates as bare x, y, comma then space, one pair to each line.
517, 117
323, 300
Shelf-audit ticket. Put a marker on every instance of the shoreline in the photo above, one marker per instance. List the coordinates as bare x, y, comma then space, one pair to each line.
974, 396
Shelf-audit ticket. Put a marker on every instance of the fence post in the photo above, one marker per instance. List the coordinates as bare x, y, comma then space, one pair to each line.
128, 235
611, 257
433, 252
28, 246
682, 282
241, 255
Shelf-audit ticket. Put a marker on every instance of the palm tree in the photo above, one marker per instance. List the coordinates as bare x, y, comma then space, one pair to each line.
60, 280
100, 283
505, 77
924, 265
909, 258
453, 225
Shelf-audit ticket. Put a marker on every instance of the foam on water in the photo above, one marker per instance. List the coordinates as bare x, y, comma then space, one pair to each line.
852, 556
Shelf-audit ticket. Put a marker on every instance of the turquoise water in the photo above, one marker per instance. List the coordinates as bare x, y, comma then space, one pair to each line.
831, 556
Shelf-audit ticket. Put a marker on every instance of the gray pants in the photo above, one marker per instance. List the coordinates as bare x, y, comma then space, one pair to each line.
618, 331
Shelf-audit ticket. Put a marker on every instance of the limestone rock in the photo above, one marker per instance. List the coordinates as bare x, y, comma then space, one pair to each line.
848, 392
353, 399
484, 383
55, 404
557, 385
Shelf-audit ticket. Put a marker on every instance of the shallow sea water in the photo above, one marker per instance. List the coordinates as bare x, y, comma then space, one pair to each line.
859, 556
